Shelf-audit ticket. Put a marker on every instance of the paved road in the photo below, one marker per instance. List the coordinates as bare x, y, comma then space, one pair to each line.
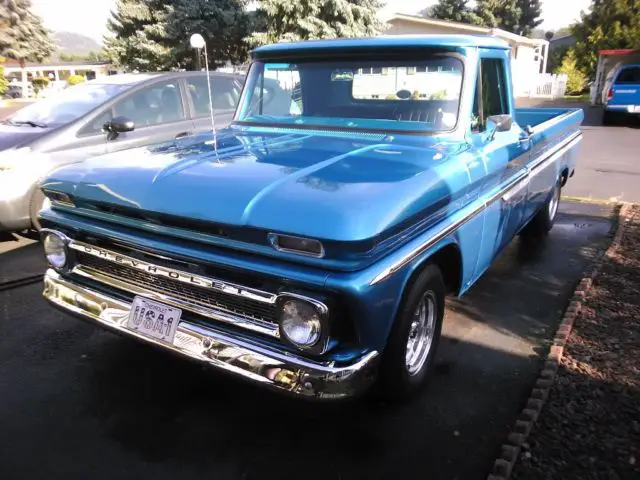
81, 403
608, 166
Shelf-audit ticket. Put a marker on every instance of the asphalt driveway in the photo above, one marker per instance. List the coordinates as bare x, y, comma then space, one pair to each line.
81, 403
608, 165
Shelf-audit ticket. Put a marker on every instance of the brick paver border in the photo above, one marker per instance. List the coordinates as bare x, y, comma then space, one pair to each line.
510, 451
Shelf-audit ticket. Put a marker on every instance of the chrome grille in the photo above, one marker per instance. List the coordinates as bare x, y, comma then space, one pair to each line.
203, 297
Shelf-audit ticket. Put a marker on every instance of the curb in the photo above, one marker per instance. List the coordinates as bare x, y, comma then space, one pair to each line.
510, 451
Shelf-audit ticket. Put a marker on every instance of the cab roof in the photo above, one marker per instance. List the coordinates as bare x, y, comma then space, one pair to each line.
383, 41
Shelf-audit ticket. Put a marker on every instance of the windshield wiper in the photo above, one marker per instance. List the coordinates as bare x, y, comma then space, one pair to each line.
26, 122
32, 123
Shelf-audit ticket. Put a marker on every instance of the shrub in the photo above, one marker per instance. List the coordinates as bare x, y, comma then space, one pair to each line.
4, 84
75, 79
39, 83
576, 80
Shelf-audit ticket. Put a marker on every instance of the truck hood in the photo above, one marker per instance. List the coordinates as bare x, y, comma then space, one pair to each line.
342, 189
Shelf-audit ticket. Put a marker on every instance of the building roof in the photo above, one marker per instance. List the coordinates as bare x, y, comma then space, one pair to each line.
385, 41
61, 63
512, 38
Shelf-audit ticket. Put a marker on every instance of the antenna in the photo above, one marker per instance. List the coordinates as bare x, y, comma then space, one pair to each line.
197, 42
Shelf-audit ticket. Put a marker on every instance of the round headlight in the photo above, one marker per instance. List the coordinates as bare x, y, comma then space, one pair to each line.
300, 323
55, 249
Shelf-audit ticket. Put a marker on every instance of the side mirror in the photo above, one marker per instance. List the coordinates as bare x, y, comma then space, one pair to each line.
119, 125
498, 123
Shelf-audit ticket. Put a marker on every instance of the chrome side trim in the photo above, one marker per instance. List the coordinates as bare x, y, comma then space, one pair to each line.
178, 275
508, 189
255, 325
551, 157
522, 184
280, 371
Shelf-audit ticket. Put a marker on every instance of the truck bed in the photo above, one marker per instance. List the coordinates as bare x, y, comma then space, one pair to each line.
537, 116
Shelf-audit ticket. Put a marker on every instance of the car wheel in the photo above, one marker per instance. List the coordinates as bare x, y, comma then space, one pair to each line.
410, 351
37, 202
543, 221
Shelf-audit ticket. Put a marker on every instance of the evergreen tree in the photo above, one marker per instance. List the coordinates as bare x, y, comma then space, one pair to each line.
531, 16
610, 24
289, 20
576, 80
138, 41
223, 23
453, 10
516, 16
153, 35
22, 35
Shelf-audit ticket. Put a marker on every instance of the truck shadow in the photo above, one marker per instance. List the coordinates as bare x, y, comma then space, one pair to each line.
165, 411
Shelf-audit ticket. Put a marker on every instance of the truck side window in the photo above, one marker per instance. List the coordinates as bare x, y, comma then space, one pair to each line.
493, 98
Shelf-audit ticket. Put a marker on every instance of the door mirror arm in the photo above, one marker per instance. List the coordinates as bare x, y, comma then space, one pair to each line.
498, 123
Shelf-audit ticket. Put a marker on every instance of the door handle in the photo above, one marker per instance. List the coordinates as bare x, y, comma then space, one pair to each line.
183, 134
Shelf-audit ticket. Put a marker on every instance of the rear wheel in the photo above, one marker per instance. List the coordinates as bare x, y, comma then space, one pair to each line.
410, 352
546, 217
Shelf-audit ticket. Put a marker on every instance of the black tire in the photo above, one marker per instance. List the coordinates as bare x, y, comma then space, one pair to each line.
543, 221
37, 200
395, 380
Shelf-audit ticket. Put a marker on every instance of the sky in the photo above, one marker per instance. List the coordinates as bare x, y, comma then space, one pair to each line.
64, 15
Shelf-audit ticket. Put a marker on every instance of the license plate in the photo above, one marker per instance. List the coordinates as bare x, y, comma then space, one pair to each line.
634, 109
154, 319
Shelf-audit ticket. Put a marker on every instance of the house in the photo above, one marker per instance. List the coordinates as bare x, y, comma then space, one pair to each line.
528, 56
57, 73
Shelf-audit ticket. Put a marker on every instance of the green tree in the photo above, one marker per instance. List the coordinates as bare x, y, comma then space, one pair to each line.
576, 79
289, 20
138, 41
153, 35
610, 24
452, 10
4, 84
224, 24
516, 16
22, 35
530, 16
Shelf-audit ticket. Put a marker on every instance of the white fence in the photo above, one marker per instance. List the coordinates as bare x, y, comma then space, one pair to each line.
541, 85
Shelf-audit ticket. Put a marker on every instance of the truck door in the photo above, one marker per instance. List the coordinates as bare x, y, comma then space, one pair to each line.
504, 151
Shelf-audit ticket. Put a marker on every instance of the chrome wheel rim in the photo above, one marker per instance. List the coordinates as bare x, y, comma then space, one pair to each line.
421, 333
553, 204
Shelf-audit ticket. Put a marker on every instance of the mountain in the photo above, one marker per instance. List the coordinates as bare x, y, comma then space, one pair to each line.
70, 43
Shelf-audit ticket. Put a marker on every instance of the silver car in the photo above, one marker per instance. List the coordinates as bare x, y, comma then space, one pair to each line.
102, 116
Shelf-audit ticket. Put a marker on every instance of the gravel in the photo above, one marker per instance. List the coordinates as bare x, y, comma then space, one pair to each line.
589, 427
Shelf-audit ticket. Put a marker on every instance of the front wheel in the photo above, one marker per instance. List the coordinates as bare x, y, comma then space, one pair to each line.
410, 351
546, 217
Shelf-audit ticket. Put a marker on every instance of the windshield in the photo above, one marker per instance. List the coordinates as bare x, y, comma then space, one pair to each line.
66, 105
409, 95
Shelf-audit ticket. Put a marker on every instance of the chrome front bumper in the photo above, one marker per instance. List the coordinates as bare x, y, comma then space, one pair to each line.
278, 370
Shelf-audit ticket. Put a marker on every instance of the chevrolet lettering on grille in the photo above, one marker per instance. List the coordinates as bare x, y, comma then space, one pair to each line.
184, 277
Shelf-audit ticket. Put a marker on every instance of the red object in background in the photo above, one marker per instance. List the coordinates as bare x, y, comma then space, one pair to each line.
620, 51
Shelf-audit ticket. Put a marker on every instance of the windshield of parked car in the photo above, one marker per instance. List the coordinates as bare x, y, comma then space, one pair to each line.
384, 95
65, 106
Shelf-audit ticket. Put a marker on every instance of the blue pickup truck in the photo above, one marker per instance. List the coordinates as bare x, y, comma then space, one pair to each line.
309, 245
